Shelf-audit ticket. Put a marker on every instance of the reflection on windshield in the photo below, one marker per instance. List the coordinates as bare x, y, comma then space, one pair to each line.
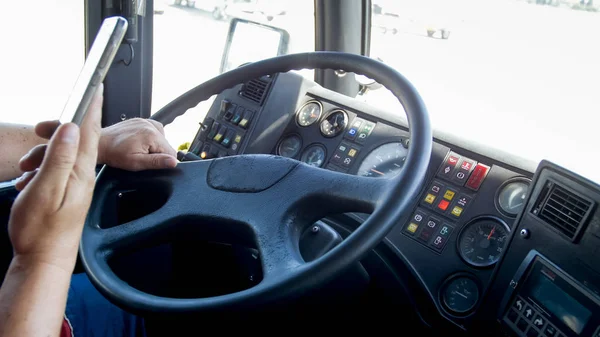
521, 76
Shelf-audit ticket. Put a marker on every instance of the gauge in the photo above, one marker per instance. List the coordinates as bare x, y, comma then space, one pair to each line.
512, 196
289, 146
309, 113
460, 295
334, 123
386, 160
482, 241
314, 155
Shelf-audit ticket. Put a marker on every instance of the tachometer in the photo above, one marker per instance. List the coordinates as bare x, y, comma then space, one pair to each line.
386, 160
482, 241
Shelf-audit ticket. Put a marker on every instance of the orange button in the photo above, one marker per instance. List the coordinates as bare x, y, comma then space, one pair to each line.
443, 205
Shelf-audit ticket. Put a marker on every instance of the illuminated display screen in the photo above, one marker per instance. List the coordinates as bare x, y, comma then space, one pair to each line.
558, 302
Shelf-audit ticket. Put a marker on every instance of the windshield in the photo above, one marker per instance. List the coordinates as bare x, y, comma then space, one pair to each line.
519, 76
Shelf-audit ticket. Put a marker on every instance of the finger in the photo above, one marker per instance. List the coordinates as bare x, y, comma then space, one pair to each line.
46, 129
153, 161
87, 155
25, 179
157, 125
33, 159
163, 146
58, 162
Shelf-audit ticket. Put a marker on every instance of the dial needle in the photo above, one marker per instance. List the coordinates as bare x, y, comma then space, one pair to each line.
491, 232
380, 173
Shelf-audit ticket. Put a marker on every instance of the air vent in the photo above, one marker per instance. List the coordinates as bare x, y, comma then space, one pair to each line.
256, 90
562, 209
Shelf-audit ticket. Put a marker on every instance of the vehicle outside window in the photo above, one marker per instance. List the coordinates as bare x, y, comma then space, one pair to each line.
189, 41
517, 76
39, 66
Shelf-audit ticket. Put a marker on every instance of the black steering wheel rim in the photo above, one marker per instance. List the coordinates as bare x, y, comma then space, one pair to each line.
388, 199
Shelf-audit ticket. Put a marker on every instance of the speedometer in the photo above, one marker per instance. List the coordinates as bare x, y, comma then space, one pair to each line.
386, 160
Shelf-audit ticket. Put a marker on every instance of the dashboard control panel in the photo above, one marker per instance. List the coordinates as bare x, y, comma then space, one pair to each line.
445, 200
223, 136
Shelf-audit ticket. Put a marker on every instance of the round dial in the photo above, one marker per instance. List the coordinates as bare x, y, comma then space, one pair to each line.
386, 160
334, 123
314, 155
309, 113
482, 242
512, 196
460, 295
289, 146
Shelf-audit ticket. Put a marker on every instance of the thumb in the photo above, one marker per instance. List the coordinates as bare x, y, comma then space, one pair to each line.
58, 162
153, 161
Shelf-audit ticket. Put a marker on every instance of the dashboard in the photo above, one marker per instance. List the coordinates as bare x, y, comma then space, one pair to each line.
490, 240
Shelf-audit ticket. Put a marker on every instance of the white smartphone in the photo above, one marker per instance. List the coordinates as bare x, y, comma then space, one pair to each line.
94, 70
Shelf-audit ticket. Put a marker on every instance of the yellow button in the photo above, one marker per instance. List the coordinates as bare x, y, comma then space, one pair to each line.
457, 211
218, 137
430, 198
352, 153
238, 139
243, 122
412, 227
449, 195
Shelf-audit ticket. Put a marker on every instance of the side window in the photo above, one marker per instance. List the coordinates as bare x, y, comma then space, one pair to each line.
42, 54
189, 40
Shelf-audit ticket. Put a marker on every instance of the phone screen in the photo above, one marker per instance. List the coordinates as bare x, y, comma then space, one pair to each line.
94, 70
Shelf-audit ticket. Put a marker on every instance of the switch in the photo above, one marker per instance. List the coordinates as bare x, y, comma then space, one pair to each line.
229, 112
448, 168
237, 115
436, 188
245, 122
412, 228
512, 316
457, 211
228, 138
439, 242
445, 230
213, 130
443, 204
463, 200
418, 217
220, 134
532, 332
237, 142
430, 198
539, 322
205, 128
449, 194
429, 228
206, 154
528, 313
340, 153
522, 325
364, 132
353, 131
225, 105
477, 177
550, 331
464, 170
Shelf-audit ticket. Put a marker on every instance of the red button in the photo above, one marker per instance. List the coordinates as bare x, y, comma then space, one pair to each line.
477, 176
452, 160
443, 205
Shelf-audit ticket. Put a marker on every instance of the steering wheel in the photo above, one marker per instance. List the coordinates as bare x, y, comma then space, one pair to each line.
265, 199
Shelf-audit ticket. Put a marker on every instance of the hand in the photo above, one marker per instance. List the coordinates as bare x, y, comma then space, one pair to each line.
47, 217
135, 145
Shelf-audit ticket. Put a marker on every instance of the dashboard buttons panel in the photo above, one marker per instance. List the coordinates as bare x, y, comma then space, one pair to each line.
353, 131
223, 135
463, 171
449, 165
429, 229
527, 321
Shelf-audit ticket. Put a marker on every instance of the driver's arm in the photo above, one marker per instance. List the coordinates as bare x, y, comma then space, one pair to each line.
45, 237
135, 144
15, 141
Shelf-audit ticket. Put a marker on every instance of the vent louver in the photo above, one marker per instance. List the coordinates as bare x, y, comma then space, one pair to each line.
256, 90
562, 209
